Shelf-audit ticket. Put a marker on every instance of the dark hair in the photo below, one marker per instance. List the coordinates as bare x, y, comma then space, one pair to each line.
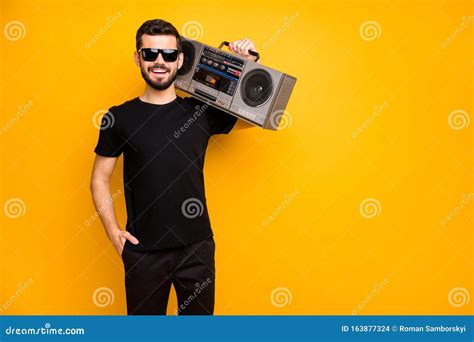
157, 27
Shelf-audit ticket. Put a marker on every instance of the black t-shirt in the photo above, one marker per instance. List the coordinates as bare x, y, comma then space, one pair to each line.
164, 147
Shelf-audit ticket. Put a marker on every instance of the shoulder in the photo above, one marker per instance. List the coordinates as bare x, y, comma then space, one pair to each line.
117, 113
123, 107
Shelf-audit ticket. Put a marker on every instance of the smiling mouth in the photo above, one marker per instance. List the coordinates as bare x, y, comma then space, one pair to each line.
158, 71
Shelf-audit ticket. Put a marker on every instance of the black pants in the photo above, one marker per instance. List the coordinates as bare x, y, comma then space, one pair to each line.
149, 275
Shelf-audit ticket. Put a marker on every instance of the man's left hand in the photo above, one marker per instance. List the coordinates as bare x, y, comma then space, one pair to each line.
242, 47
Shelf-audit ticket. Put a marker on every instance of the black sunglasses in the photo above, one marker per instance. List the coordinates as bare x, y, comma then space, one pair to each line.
150, 55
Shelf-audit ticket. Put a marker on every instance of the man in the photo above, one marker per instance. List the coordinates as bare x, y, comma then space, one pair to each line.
163, 138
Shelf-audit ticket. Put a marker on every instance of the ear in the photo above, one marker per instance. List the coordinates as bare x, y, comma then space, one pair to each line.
180, 60
136, 57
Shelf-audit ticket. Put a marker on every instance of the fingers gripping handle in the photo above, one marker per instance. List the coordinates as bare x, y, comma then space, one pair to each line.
251, 52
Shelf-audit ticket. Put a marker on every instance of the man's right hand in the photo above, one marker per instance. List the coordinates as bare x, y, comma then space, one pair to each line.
119, 237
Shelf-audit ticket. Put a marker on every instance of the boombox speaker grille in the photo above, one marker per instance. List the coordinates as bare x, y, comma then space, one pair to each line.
189, 56
256, 87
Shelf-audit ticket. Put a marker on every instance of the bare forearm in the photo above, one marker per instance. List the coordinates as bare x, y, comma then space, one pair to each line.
104, 206
103, 202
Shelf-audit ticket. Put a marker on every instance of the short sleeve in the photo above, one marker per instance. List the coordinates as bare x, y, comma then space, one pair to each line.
220, 122
110, 143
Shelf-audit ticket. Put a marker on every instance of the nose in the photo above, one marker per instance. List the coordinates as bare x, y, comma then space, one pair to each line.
160, 59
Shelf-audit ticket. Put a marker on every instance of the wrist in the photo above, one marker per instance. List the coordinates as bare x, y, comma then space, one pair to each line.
113, 231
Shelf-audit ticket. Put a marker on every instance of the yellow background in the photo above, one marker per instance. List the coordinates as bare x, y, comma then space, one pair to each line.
285, 206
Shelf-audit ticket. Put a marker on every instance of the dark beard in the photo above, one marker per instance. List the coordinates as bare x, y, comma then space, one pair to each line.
159, 85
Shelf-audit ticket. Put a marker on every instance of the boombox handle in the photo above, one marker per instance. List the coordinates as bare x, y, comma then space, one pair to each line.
251, 52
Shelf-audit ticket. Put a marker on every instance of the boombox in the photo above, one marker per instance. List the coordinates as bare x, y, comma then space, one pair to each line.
246, 89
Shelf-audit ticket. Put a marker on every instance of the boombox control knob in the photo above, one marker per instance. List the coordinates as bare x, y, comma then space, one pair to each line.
203, 60
222, 67
209, 62
215, 65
